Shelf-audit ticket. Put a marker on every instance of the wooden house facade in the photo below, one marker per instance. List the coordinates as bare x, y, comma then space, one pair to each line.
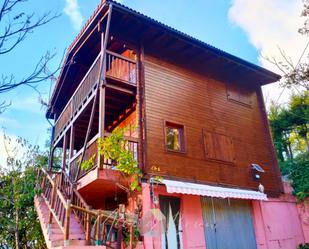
197, 127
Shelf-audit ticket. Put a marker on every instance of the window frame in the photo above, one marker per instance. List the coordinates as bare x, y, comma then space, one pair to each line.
182, 137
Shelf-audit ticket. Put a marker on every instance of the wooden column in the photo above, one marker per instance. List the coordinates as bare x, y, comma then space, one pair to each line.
102, 79
102, 96
72, 134
71, 147
141, 109
67, 223
97, 91
64, 151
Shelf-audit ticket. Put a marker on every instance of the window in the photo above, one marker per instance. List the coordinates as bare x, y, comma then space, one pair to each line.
174, 137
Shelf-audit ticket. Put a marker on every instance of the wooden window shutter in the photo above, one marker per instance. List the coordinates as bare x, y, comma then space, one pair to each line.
218, 147
239, 95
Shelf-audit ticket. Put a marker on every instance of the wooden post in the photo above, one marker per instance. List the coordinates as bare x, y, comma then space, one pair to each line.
64, 157
71, 147
102, 98
72, 133
141, 109
64, 151
52, 198
102, 73
67, 223
98, 240
131, 238
88, 228
121, 212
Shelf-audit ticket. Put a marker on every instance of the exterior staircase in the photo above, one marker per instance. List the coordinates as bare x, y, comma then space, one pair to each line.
52, 232
68, 222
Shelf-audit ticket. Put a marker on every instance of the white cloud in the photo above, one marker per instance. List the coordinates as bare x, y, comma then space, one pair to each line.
269, 24
73, 11
28, 104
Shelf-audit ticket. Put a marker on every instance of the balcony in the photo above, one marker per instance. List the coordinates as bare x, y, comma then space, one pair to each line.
98, 182
120, 70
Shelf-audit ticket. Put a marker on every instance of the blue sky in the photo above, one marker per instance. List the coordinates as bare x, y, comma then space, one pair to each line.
244, 28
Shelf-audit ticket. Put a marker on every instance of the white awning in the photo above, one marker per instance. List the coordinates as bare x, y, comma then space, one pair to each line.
211, 191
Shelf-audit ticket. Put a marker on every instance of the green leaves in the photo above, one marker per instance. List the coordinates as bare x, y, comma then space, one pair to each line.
115, 147
17, 191
289, 125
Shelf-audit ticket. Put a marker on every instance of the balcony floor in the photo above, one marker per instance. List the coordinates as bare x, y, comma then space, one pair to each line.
99, 187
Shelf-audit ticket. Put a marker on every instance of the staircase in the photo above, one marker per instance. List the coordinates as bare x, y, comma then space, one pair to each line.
67, 221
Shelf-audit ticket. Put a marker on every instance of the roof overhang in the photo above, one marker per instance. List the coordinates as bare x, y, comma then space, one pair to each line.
212, 191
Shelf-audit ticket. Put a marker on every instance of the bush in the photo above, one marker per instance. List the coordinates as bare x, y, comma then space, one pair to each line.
297, 171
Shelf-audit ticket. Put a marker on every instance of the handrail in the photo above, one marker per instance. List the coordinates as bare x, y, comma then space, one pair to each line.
80, 84
120, 56
78, 153
103, 219
70, 101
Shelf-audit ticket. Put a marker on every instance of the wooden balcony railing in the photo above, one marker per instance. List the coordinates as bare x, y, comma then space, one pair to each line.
121, 67
118, 67
92, 149
83, 91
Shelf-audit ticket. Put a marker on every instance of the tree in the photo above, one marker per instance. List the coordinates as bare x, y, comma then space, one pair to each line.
15, 26
289, 126
19, 226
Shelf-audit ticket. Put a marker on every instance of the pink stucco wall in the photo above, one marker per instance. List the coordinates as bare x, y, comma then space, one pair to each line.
192, 220
281, 222
278, 223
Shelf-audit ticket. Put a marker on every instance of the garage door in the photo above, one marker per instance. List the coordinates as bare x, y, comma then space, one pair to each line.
228, 224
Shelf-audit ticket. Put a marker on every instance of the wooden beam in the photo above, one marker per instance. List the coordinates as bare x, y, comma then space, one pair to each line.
121, 89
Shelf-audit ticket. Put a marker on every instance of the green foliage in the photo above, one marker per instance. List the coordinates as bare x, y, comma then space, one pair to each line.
136, 237
114, 147
303, 246
289, 125
299, 174
19, 226
88, 164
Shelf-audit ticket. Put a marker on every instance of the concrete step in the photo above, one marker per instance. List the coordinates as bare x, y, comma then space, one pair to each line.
76, 236
59, 243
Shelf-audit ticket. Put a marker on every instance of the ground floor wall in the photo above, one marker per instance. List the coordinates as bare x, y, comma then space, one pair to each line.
278, 223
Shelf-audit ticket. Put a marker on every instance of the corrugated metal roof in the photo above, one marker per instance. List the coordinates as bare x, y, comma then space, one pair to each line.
176, 32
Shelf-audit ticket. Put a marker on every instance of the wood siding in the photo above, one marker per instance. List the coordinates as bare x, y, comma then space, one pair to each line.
201, 104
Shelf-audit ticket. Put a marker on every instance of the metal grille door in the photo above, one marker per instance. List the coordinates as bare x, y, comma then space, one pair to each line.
228, 224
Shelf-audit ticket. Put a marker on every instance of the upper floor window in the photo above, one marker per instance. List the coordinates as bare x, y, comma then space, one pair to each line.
174, 137
239, 95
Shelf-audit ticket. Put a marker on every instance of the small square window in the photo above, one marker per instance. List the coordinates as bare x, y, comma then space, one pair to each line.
174, 137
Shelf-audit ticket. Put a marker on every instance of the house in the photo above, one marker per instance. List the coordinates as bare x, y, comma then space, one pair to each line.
195, 123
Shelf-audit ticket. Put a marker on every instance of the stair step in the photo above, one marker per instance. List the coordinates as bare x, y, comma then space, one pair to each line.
59, 243
76, 236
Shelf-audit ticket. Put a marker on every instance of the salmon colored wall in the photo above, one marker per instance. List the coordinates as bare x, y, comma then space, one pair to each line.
281, 222
192, 220
303, 210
